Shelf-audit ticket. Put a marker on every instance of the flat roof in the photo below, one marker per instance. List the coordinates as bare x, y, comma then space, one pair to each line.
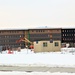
36, 28
43, 28
68, 28
13, 29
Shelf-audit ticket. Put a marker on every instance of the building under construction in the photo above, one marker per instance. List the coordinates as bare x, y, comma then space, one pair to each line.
12, 38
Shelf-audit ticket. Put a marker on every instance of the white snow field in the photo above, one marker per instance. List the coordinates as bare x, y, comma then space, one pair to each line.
34, 73
27, 57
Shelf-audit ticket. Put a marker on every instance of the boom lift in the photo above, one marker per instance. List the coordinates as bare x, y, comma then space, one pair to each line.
26, 42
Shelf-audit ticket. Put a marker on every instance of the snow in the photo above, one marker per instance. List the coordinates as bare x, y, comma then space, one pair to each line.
68, 50
27, 57
34, 73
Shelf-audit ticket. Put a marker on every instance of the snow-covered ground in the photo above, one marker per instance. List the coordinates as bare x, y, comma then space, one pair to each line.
34, 73
27, 57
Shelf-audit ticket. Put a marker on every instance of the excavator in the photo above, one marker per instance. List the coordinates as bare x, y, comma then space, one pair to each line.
26, 42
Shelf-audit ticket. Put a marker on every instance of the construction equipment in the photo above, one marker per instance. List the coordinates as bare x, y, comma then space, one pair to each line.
26, 42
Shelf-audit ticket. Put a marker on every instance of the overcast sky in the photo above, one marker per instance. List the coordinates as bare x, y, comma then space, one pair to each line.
37, 13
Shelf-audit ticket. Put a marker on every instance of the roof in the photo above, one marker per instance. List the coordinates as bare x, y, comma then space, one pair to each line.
43, 28
38, 28
13, 29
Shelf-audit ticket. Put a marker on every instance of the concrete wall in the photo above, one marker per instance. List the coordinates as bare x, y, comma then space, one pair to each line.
38, 47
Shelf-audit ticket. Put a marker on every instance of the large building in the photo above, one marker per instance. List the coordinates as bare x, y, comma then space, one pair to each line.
46, 40
8, 37
68, 36
45, 34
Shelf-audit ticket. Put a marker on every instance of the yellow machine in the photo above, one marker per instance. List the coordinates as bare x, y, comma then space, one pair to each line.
26, 42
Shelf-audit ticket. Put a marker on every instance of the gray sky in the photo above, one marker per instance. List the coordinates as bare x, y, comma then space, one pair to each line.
37, 13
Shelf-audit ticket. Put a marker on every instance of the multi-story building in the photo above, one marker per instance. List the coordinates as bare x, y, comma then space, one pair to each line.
64, 35
8, 38
68, 36
45, 34
47, 39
